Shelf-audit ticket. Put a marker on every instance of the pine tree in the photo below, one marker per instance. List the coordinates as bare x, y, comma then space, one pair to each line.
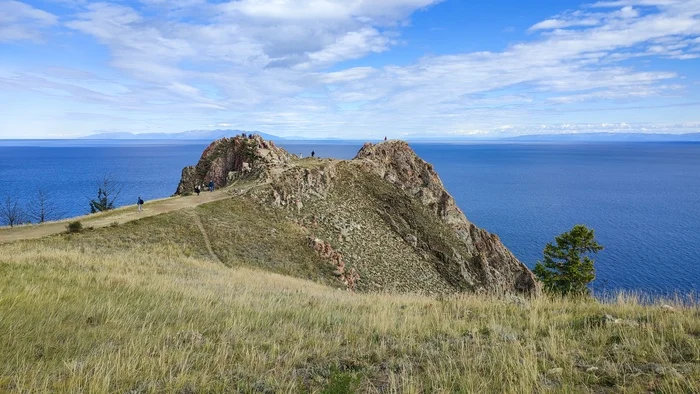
566, 269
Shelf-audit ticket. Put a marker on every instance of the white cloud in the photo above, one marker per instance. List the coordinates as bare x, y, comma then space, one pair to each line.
551, 24
349, 75
326, 11
20, 21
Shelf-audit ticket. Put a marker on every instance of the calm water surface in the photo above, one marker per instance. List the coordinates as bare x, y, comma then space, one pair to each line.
643, 199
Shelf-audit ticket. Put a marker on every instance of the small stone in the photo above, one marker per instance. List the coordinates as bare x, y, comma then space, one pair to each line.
666, 371
668, 308
591, 369
516, 300
609, 319
555, 371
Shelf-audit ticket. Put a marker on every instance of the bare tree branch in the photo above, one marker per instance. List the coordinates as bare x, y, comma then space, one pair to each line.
10, 212
41, 207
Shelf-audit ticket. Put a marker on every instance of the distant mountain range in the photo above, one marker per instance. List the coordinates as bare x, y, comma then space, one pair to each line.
185, 135
211, 135
607, 137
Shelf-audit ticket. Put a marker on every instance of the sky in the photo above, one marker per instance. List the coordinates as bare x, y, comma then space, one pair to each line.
349, 68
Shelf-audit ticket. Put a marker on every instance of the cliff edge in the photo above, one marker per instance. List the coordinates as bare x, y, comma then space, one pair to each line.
383, 220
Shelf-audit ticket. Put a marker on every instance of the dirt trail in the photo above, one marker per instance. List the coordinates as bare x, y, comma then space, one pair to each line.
206, 237
120, 215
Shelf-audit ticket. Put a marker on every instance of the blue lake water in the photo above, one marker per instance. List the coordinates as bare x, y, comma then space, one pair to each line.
643, 199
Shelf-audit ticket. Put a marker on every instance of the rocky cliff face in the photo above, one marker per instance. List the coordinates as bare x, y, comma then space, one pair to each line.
386, 216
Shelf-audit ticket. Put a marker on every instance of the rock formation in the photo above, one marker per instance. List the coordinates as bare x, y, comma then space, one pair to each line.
391, 223
229, 159
487, 261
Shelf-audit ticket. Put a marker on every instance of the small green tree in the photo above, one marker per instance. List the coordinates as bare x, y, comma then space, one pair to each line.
566, 268
107, 192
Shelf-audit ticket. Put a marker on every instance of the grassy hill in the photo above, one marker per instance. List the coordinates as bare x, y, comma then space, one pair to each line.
201, 300
250, 290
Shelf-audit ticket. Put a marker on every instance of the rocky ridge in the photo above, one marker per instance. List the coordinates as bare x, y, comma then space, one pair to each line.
383, 220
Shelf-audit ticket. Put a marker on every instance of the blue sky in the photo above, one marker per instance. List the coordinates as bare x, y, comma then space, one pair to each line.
349, 68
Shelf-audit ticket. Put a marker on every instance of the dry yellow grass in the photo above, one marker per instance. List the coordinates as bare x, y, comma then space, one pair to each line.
151, 319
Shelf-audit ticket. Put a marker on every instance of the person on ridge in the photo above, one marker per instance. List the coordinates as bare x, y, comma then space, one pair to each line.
139, 203
313, 154
211, 186
197, 189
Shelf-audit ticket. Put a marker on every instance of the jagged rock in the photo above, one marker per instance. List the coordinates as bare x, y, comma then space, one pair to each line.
397, 163
407, 232
324, 249
229, 159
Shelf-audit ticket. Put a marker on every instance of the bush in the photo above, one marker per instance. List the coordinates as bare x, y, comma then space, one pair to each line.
74, 227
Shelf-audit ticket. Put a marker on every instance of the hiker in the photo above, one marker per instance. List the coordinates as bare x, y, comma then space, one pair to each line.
139, 203
197, 189
211, 186
301, 155
384, 138
313, 154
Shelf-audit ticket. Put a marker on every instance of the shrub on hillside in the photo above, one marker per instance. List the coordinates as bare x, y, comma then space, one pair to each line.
74, 227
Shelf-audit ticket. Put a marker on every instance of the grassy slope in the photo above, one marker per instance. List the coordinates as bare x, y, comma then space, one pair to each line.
144, 308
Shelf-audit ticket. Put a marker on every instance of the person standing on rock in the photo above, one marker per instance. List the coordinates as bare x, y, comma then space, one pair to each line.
139, 203
313, 154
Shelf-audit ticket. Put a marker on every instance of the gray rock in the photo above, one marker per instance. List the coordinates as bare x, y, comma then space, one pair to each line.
412, 240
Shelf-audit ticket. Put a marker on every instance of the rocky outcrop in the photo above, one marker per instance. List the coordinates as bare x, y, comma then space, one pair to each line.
387, 213
348, 277
229, 159
487, 262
